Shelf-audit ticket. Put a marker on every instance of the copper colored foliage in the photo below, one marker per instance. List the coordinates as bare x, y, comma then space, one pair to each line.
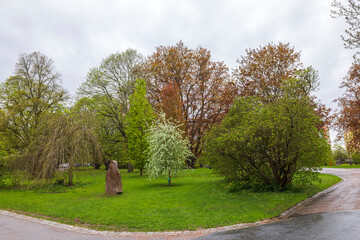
170, 103
205, 89
348, 118
261, 71
324, 113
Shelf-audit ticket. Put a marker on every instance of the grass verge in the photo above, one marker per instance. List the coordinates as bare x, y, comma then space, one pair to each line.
199, 199
346, 165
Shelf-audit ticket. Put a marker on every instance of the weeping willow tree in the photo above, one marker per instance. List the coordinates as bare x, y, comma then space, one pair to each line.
66, 139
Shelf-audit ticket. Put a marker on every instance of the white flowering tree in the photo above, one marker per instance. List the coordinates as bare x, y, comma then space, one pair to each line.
167, 149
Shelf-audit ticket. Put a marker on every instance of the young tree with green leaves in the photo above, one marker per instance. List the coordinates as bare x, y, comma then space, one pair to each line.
139, 119
167, 149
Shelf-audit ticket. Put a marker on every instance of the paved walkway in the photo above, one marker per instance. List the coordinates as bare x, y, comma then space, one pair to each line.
332, 216
323, 226
345, 197
17, 227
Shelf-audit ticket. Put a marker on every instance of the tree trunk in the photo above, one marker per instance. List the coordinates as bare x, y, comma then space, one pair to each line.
97, 165
191, 162
130, 168
71, 174
169, 179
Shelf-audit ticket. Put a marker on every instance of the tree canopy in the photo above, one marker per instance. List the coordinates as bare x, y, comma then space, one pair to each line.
30, 95
111, 84
347, 118
263, 71
205, 89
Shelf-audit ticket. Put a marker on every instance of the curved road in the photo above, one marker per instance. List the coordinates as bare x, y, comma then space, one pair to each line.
335, 215
345, 197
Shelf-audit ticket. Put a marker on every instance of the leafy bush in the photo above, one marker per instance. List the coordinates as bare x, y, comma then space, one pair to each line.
267, 144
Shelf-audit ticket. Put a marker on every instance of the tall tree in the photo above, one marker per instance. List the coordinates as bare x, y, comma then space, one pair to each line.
27, 97
206, 91
351, 13
139, 119
111, 84
263, 71
348, 119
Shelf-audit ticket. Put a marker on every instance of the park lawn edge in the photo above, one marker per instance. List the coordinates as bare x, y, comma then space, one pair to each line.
353, 166
101, 227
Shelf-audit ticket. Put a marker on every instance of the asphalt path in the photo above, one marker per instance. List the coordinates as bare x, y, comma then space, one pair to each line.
12, 228
326, 226
336, 215
345, 197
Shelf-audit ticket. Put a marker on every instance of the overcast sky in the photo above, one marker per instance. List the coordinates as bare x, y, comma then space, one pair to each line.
77, 35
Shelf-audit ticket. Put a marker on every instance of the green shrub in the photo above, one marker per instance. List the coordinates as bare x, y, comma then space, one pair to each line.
267, 144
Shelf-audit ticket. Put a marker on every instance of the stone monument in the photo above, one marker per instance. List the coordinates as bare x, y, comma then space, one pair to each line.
113, 183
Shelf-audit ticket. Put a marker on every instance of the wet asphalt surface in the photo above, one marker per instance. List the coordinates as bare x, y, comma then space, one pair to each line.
329, 226
12, 228
335, 215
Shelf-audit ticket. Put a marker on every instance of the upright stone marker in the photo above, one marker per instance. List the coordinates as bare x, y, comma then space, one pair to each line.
113, 179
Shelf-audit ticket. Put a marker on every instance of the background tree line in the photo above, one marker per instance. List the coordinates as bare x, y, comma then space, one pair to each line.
123, 95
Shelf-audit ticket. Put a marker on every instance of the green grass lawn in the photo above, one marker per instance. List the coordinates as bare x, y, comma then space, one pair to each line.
197, 200
344, 166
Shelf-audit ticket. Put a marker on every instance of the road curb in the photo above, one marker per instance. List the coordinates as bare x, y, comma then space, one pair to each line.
295, 208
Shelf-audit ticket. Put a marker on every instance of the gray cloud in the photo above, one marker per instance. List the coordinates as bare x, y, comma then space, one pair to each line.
77, 35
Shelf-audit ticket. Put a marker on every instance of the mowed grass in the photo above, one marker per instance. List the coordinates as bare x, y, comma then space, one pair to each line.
346, 165
198, 199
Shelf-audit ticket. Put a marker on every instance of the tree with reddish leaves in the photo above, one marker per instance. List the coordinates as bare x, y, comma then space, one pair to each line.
262, 72
205, 89
171, 105
348, 117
